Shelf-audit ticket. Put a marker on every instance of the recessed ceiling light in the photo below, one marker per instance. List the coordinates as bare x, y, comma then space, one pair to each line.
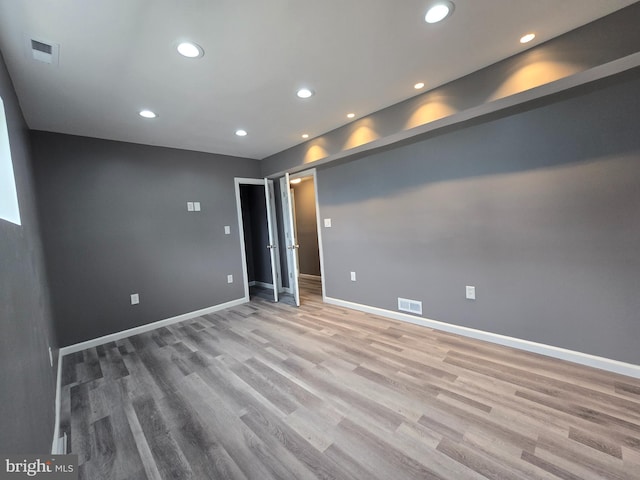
305, 135
439, 11
351, 115
418, 85
241, 133
190, 50
147, 114
305, 93
295, 180
527, 38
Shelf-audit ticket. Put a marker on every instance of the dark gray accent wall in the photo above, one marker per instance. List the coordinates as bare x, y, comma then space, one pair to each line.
306, 227
27, 381
538, 209
115, 222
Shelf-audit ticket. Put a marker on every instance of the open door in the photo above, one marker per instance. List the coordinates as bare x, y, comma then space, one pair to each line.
290, 240
272, 246
258, 238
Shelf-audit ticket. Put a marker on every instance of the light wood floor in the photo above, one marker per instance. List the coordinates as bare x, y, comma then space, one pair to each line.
268, 391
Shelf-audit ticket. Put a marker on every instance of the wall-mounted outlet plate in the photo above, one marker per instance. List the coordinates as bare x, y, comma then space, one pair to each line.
51, 356
196, 206
229, 278
189, 206
353, 276
135, 298
227, 230
327, 223
471, 292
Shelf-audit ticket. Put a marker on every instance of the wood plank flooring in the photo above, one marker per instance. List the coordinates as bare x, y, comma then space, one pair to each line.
267, 391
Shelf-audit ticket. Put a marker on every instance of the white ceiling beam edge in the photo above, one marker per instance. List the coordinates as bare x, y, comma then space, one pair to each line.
582, 78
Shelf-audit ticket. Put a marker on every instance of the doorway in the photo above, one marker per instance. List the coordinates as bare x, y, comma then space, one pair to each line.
302, 236
258, 238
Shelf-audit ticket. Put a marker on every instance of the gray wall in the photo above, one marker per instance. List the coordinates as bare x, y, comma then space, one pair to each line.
306, 227
27, 381
538, 209
115, 222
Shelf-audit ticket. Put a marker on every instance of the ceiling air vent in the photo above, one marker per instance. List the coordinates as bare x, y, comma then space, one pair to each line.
41, 50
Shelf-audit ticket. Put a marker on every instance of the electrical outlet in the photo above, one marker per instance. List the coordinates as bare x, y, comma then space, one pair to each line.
227, 230
327, 223
196, 206
471, 292
51, 356
189, 206
353, 276
229, 278
135, 298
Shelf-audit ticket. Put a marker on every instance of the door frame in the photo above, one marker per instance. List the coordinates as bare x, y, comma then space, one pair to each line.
277, 282
312, 173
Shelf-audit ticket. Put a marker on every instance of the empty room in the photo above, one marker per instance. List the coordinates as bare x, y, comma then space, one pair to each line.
355, 239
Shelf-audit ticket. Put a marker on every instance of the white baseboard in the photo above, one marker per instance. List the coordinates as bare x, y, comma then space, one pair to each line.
55, 444
309, 276
78, 347
255, 283
589, 360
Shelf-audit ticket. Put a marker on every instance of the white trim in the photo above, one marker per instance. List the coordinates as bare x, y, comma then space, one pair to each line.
237, 182
275, 266
272, 220
309, 276
78, 347
289, 236
307, 173
589, 360
55, 444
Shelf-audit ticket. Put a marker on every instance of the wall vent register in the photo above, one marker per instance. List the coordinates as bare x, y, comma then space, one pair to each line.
411, 306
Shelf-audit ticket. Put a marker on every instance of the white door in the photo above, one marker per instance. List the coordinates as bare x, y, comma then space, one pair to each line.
260, 248
290, 238
273, 244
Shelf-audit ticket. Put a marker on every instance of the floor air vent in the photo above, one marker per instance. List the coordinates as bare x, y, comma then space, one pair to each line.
411, 306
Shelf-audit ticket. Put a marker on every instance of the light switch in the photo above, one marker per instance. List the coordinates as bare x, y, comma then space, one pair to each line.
327, 223
471, 292
196, 206
189, 206
227, 230
135, 298
353, 276
229, 278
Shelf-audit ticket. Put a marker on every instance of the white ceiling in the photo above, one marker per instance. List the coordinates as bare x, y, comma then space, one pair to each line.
118, 57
